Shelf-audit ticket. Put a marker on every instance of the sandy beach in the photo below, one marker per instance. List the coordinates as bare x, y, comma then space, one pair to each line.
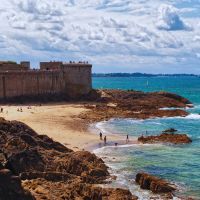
60, 122
70, 124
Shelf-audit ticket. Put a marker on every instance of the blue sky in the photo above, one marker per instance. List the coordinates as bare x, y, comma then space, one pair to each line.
152, 36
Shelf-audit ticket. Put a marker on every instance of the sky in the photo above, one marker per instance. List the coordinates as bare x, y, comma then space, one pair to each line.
151, 36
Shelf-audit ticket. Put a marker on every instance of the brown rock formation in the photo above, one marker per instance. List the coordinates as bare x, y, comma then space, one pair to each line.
11, 188
166, 138
49, 169
133, 104
73, 190
156, 185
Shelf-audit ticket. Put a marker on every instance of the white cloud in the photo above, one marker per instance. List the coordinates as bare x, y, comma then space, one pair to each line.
143, 33
168, 19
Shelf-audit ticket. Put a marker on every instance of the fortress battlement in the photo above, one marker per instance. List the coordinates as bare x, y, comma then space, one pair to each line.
52, 78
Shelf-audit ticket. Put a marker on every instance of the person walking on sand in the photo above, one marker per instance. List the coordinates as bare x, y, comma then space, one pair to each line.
100, 135
1, 110
105, 140
127, 139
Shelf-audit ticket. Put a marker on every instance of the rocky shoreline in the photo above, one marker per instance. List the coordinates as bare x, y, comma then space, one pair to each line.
44, 169
107, 104
34, 166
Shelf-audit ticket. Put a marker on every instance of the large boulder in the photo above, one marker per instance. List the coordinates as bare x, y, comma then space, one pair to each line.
153, 183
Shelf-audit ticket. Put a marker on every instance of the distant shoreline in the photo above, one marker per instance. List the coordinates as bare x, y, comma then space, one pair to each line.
137, 74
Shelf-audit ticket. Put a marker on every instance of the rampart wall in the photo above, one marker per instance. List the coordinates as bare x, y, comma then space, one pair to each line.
78, 78
13, 67
72, 81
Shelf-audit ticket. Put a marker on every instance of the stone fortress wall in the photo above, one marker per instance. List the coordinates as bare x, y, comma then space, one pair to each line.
53, 78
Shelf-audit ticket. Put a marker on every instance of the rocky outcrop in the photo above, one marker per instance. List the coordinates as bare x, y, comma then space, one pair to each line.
74, 190
166, 138
49, 169
11, 188
156, 185
133, 104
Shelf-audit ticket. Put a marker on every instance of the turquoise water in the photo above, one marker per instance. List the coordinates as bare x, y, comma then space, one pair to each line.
179, 164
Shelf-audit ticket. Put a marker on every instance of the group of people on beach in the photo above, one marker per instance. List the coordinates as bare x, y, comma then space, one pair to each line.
105, 138
101, 138
19, 109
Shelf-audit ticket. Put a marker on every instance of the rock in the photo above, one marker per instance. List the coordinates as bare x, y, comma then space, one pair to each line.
156, 185
50, 176
175, 97
74, 190
26, 160
133, 104
171, 130
49, 170
166, 138
11, 188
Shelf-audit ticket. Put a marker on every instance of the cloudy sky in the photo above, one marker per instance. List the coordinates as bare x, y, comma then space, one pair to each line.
153, 36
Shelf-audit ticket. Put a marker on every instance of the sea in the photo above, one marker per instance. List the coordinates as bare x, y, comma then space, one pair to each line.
180, 164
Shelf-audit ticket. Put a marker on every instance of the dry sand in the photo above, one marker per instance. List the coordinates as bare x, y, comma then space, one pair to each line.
60, 122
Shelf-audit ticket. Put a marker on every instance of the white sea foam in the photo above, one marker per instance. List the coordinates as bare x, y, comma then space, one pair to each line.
190, 116
138, 145
101, 127
193, 116
170, 108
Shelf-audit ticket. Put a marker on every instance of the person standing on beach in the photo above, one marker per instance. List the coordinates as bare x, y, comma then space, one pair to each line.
127, 139
100, 135
105, 140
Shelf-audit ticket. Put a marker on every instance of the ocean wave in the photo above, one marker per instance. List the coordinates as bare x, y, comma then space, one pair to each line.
101, 127
132, 121
197, 106
192, 116
106, 148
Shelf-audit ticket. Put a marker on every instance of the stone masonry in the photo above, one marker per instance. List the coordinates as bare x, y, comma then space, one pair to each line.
70, 79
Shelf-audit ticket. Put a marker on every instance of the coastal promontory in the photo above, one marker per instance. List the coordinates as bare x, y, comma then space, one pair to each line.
106, 104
